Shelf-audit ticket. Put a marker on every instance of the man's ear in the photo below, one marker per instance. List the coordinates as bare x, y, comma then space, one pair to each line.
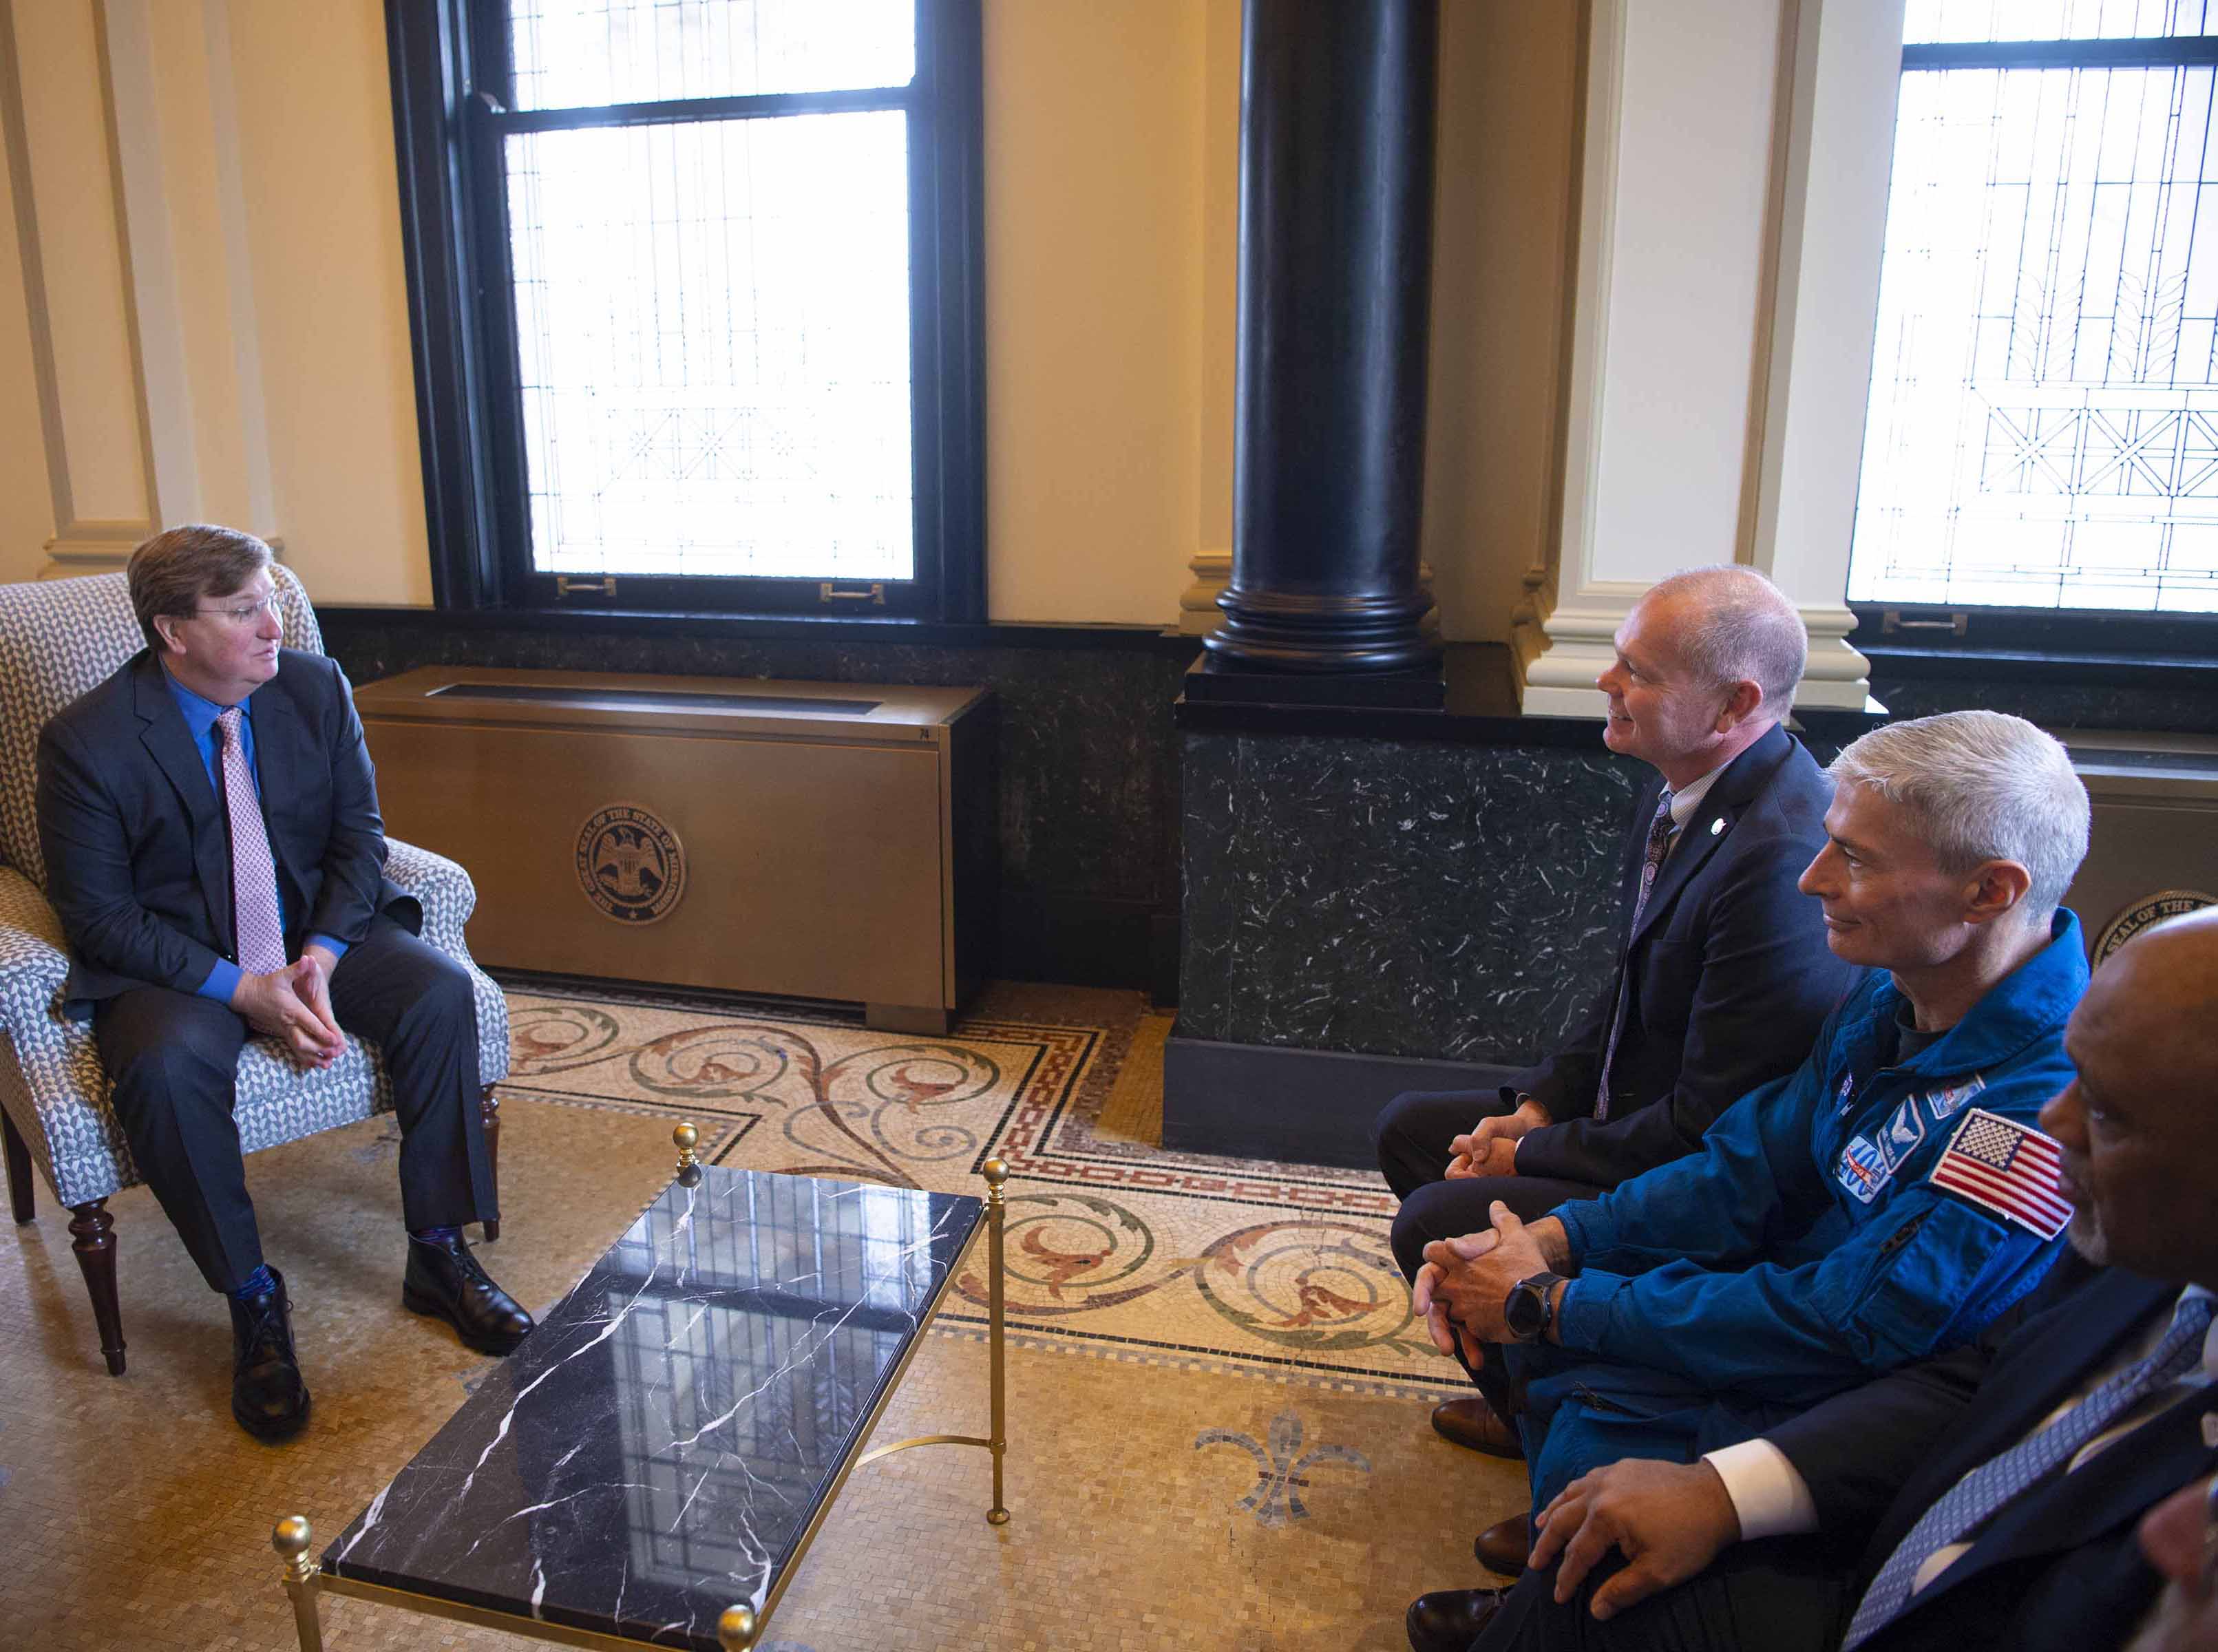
1742, 700
161, 624
1994, 887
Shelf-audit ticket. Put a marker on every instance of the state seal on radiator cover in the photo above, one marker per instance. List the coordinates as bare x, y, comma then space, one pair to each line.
630, 865
2149, 909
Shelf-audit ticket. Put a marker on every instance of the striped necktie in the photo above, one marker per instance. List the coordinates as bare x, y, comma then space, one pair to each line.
1659, 842
255, 923
1979, 1495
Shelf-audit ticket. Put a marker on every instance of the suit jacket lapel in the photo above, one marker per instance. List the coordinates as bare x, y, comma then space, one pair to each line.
2037, 1376
2115, 1487
169, 743
1728, 794
282, 749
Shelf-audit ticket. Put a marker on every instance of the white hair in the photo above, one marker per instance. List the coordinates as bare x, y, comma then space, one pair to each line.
1742, 627
1982, 785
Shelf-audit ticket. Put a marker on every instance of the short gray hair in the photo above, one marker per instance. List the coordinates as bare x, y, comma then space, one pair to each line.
1982, 785
1745, 628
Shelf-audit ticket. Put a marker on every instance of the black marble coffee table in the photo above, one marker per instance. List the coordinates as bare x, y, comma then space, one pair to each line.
649, 1467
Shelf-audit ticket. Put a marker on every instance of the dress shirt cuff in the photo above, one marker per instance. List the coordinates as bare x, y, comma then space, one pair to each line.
337, 948
222, 981
1768, 1493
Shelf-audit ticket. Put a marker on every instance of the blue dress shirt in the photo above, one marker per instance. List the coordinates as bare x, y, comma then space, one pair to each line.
200, 713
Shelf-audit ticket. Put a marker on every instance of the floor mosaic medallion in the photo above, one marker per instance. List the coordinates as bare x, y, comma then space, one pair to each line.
1115, 1245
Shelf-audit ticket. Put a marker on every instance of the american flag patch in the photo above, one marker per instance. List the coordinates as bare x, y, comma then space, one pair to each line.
2006, 1167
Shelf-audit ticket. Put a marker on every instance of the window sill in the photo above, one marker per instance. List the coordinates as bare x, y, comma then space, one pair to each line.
843, 629
2078, 666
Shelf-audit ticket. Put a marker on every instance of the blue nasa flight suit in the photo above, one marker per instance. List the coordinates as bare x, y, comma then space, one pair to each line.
1804, 1250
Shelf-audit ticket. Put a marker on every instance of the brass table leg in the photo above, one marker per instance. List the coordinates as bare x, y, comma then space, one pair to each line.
997, 1173
290, 1540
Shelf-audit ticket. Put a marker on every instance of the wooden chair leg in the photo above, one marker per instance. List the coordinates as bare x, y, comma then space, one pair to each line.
93, 1238
489, 1111
19, 1171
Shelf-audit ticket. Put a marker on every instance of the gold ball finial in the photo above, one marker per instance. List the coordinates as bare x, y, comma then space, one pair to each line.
289, 1537
687, 1138
736, 1629
996, 1171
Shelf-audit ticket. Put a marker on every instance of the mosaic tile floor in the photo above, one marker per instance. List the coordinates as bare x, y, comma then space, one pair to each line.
1216, 1425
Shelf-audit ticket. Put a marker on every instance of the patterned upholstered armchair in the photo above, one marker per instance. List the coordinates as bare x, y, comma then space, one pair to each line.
57, 639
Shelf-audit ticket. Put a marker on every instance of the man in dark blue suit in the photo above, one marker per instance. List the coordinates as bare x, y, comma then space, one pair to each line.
1990, 1498
209, 820
1724, 976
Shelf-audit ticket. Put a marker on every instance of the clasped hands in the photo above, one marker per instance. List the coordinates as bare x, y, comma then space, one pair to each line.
293, 1006
1460, 1290
1491, 1148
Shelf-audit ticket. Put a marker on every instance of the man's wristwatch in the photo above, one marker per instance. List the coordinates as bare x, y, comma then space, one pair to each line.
1527, 1311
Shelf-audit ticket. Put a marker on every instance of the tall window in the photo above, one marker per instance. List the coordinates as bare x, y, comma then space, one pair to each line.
695, 296
2044, 423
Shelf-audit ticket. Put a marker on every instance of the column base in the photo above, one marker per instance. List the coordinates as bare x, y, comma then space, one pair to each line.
1210, 679
1294, 1106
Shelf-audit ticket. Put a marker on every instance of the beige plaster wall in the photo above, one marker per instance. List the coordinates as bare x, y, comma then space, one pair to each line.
315, 113
1094, 231
26, 511
1501, 229
1111, 203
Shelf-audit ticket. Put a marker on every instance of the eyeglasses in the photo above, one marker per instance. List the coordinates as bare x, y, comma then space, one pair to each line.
243, 613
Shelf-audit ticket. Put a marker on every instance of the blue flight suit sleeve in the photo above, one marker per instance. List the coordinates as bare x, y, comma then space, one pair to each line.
1921, 1274
1885, 1297
1720, 1207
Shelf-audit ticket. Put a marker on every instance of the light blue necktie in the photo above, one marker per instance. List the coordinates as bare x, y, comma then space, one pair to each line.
1979, 1495
1659, 841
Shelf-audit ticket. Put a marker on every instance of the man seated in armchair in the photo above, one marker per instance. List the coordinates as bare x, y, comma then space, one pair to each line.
1882, 1204
208, 817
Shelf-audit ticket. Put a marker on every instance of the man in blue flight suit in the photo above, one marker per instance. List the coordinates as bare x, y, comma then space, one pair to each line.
1881, 1204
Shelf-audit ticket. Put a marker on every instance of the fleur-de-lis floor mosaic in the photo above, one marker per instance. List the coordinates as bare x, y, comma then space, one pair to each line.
1113, 1244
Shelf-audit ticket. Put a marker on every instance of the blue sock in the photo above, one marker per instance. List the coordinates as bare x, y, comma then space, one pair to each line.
261, 1281
435, 1235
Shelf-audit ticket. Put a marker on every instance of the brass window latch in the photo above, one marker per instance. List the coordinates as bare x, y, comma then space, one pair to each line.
565, 585
1892, 621
828, 591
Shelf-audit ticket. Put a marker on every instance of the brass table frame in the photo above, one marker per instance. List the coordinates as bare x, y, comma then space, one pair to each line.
740, 1626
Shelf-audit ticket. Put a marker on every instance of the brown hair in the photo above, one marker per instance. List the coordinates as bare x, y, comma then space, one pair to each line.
171, 572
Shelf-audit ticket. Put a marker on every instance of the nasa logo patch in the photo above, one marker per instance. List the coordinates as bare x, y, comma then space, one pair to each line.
1863, 1170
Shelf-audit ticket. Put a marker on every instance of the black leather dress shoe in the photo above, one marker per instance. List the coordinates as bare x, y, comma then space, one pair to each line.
268, 1398
1449, 1620
1470, 1422
444, 1280
1504, 1546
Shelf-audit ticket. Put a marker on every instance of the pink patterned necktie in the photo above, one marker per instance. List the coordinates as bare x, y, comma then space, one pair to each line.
253, 871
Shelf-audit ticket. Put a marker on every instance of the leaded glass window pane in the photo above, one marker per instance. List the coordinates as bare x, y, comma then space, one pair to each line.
2044, 423
574, 53
1925, 22
713, 344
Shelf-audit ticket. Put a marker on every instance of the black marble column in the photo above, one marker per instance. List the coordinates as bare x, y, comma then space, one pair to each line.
1335, 266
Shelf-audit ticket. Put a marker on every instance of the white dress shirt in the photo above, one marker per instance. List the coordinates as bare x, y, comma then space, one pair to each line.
1689, 798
